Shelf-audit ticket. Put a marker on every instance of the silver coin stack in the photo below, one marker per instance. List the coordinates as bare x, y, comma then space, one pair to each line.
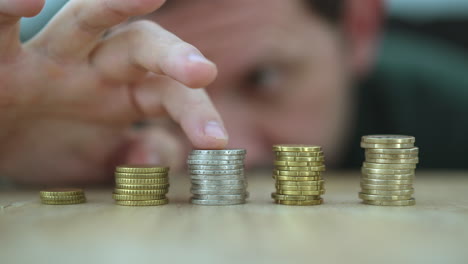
218, 177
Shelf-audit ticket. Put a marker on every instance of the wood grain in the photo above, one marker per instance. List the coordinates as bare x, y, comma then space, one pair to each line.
340, 231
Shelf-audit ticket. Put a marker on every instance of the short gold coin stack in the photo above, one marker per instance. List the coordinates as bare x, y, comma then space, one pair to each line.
298, 174
62, 196
141, 185
389, 169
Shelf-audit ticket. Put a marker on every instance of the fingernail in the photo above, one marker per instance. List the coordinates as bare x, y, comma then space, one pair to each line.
197, 57
215, 130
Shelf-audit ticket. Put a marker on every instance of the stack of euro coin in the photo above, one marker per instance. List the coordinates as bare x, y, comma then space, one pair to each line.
141, 185
218, 177
388, 170
298, 174
62, 196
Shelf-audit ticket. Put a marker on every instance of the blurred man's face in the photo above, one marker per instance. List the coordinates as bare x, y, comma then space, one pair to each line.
283, 71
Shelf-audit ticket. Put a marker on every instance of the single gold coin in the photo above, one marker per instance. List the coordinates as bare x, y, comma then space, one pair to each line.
386, 182
142, 186
377, 197
391, 157
126, 197
393, 161
143, 203
300, 159
388, 139
388, 146
307, 193
387, 151
298, 163
284, 197
386, 187
391, 192
310, 183
141, 169
386, 171
62, 192
62, 198
299, 154
411, 201
388, 177
141, 192
295, 178
300, 178
141, 181
298, 188
297, 173
307, 202
64, 202
316, 168
153, 175
370, 165
292, 147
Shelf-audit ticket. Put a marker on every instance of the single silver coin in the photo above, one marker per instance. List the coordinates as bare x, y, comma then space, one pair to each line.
217, 177
216, 157
219, 187
219, 152
388, 176
215, 162
217, 192
220, 197
219, 182
216, 202
216, 186
216, 167
217, 172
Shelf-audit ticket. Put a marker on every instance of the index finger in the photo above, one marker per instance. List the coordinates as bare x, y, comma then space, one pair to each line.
74, 32
192, 109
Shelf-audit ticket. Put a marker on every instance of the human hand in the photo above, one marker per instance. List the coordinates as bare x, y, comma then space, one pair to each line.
70, 95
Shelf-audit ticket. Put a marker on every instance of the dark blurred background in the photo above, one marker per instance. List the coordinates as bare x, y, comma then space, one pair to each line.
446, 20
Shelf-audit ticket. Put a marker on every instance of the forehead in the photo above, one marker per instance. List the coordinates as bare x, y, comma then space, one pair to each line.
234, 33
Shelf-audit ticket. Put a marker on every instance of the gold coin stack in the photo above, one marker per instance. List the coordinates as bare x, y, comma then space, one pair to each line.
62, 196
141, 185
389, 169
298, 174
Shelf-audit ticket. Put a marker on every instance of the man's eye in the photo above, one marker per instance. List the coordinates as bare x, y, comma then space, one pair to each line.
263, 81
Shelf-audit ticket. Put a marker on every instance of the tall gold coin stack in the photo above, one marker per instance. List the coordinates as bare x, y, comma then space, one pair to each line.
298, 174
141, 185
389, 169
62, 196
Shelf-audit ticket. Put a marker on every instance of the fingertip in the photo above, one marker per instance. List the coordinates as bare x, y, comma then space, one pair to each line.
210, 143
23, 8
34, 7
212, 136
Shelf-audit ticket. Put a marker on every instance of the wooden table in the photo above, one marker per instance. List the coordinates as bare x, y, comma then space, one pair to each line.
340, 231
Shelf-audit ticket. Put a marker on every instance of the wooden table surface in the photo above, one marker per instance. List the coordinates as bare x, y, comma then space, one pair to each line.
340, 231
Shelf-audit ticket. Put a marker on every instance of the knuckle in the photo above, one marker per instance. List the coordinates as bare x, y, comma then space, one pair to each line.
195, 103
